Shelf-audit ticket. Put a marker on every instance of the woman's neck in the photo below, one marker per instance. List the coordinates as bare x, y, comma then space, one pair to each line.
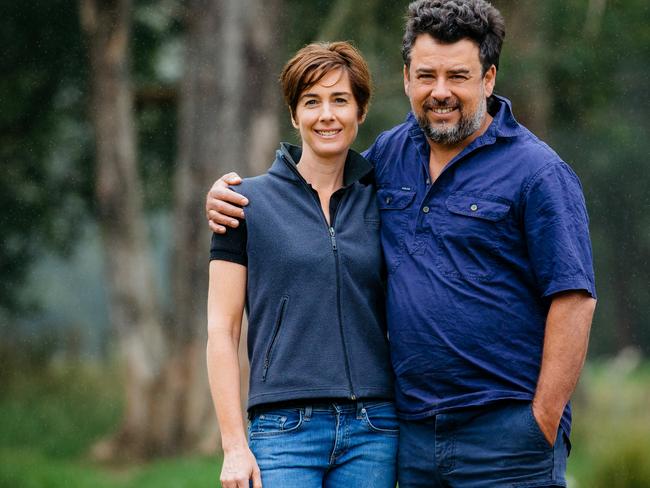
325, 175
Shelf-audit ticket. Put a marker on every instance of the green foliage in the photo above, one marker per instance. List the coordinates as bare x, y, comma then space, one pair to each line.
601, 118
611, 431
51, 417
46, 142
40, 88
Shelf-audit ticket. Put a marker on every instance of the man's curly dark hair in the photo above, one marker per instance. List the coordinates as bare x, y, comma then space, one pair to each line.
449, 21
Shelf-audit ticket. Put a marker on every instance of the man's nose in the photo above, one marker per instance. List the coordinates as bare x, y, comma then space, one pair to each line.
440, 89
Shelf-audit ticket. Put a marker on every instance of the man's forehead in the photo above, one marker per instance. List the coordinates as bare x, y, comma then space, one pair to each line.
426, 49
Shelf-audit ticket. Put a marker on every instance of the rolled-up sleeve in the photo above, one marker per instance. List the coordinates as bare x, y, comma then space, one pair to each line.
557, 231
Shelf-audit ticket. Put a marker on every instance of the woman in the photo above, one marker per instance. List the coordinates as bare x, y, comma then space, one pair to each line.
320, 402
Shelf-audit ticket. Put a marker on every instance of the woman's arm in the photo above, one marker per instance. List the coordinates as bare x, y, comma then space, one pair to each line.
226, 297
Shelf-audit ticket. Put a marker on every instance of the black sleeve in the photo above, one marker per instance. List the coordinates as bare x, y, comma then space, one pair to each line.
230, 246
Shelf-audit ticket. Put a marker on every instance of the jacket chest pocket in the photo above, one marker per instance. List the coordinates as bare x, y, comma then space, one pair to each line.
470, 234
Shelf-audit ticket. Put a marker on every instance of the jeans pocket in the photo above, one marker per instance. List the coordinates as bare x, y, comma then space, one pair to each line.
271, 423
380, 417
535, 430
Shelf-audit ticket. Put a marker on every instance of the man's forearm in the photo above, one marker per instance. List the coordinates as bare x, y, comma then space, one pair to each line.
565, 348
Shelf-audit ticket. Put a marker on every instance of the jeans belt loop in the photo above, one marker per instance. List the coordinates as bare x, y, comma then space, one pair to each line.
360, 410
308, 409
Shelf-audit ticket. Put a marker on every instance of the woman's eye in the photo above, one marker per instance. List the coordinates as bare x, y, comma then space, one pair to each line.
341, 101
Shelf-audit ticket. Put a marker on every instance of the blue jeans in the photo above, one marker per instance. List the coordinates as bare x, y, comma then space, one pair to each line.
331, 445
492, 446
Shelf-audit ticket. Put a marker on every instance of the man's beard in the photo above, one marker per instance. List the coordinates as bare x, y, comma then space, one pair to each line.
451, 135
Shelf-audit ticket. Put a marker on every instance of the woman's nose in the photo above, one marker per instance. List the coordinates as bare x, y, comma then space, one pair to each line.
326, 112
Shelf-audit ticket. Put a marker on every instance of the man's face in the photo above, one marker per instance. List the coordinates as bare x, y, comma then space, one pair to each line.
447, 90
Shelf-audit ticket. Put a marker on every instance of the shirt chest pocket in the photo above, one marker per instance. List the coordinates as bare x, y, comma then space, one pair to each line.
470, 234
395, 205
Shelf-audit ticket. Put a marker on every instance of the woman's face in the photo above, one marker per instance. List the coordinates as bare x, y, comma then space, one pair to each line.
327, 116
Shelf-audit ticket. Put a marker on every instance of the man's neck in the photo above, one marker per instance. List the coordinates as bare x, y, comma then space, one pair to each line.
441, 154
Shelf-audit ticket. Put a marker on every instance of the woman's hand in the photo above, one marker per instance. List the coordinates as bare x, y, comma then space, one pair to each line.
222, 205
240, 466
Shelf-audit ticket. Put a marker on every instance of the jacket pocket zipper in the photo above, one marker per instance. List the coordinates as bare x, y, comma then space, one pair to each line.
276, 329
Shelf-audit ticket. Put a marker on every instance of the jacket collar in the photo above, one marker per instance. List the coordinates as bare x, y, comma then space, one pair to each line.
357, 168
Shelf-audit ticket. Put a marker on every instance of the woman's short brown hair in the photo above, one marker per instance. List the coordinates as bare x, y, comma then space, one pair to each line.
311, 63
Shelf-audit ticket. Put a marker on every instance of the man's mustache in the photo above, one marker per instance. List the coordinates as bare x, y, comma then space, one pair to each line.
433, 104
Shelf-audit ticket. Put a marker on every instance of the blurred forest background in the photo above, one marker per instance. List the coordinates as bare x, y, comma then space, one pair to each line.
115, 118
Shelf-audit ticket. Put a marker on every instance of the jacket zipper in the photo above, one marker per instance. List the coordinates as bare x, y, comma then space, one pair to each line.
332, 234
276, 329
338, 309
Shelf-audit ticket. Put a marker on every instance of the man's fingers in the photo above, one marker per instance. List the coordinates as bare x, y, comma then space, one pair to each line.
222, 212
219, 229
221, 218
257, 478
227, 195
231, 178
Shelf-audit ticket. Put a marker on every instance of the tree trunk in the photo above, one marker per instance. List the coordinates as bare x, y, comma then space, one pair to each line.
528, 46
133, 305
228, 117
227, 120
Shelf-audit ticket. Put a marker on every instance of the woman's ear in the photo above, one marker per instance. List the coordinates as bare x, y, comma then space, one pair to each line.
294, 122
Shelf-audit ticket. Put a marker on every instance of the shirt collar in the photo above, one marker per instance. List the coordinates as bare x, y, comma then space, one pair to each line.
357, 168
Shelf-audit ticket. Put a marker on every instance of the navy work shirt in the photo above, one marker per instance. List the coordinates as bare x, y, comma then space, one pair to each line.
473, 261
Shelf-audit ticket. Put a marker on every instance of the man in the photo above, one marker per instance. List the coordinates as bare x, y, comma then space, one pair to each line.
490, 286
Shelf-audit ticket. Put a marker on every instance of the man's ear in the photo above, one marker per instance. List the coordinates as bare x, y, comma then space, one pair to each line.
489, 80
406, 80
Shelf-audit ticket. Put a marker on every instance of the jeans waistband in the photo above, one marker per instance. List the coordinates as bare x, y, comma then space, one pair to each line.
334, 406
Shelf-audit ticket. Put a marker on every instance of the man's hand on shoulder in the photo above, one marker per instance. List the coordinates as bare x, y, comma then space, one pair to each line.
222, 205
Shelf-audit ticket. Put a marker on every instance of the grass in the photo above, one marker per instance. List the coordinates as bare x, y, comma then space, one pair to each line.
611, 428
49, 417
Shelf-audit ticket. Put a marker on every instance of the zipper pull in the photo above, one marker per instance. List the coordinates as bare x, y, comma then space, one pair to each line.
333, 238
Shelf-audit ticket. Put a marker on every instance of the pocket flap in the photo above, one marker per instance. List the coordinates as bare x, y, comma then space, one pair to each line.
479, 206
394, 199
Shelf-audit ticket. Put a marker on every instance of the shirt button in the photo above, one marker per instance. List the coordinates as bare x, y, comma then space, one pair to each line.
428, 181
473, 207
388, 199
425, 209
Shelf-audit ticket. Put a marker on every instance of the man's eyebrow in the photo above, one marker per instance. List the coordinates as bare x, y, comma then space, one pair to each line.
424, 70
459, 71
